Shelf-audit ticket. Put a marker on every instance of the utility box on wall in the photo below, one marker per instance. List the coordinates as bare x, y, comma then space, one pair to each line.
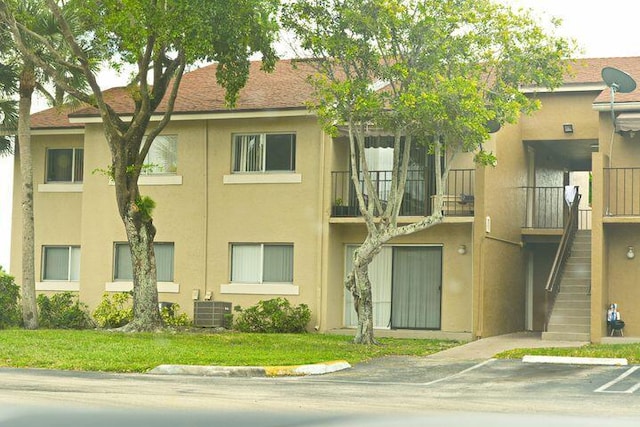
211, 314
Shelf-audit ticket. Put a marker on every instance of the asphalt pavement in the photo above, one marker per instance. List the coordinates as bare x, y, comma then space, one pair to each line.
471, 352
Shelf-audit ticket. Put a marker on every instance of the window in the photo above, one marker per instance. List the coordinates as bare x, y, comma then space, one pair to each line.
262, 152
61, 263
65, 164
261, 263
123, 270
162, 157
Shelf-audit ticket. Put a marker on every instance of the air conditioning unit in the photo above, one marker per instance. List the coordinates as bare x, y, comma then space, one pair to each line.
211, 314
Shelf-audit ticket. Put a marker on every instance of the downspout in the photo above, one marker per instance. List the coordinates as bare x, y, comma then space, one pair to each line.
205, 251
320, 321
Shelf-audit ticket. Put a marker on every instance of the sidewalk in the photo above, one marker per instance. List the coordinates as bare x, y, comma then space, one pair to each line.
486, 348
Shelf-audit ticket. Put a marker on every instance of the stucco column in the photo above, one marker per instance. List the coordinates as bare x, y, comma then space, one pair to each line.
599, 289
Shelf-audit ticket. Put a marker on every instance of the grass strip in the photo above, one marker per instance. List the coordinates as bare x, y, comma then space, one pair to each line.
631, 352
119, 352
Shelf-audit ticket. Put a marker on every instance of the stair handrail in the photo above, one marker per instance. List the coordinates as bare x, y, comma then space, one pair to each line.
562, 254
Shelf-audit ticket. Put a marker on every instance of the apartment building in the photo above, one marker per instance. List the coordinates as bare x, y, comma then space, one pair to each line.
255, 202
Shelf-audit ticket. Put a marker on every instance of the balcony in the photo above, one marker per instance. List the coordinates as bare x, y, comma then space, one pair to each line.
546, 209
622, 192
418, 197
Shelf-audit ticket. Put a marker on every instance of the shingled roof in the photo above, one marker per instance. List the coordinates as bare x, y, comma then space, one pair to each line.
287, 88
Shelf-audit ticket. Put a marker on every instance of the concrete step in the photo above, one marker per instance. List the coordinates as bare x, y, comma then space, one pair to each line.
565, 336
565, 319
571, 312
565, 297
572, 305
574, 281
569, 329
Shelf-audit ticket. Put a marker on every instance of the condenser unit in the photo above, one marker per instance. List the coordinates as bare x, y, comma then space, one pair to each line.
211, 314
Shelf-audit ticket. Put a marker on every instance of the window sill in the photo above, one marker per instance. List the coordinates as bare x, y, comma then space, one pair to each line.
260, 289
262, 178
62, 187
157, 180
54, 285
160, 180
164, 287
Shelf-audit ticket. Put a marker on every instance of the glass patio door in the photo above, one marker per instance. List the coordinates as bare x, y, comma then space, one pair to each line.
417, 287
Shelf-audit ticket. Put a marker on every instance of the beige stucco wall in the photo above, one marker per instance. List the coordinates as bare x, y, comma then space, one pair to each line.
623, 277
456, 269
57, 215
178, 217
266, 213
500, 264
560, 108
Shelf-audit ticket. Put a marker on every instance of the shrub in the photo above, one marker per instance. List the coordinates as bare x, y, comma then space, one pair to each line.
10, 314
273, 316
114, 310
63, 311
170, 316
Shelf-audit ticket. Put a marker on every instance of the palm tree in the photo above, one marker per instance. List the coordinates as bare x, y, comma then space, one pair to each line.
29, 80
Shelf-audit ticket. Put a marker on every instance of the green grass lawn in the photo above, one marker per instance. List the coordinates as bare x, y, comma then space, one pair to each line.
631, 352
119, 352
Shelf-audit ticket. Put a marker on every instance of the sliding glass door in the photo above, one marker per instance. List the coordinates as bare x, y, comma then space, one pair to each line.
406, 284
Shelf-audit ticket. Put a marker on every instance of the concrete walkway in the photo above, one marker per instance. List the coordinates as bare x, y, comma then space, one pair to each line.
486, 348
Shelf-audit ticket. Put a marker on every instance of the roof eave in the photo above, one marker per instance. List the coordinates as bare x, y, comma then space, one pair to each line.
209, 115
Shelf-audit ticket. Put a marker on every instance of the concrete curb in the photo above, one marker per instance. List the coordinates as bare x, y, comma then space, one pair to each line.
251, 371
575, 360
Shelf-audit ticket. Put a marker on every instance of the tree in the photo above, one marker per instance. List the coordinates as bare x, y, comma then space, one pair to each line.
23, 70
428, 72
160, 38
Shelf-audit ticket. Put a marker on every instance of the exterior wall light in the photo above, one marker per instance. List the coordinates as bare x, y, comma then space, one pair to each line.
630, 252
567, 127
462, 249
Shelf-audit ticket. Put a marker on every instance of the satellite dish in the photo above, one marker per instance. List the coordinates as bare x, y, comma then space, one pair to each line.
618, 80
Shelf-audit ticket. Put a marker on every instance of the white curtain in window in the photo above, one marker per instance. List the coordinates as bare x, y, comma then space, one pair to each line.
123, 267
163, 155
56, 263
249, 153
380, 272
74, 264
278, 264
246, 263
164, 261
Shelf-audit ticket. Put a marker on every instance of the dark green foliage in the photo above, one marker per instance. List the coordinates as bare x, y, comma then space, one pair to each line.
9, 295
63, 311
114, 311
273, 316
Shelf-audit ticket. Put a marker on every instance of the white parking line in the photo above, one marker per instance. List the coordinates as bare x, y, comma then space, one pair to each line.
604, 388
474, 367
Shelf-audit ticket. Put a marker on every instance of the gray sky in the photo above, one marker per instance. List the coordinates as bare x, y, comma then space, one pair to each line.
602, 29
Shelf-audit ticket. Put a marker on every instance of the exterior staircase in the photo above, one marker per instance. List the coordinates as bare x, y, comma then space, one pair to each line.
571, 316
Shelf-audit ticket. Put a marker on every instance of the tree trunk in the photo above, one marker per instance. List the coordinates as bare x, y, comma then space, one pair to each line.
140, 233
364, 306
359, 285
28, 286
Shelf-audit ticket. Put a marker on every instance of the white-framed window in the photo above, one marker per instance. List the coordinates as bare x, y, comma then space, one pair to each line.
65, 165
162, 158
123, 270
61, 263
264, 152
261, 263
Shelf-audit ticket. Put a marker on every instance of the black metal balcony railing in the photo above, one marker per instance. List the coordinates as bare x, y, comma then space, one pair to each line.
418, 196
622, 191
545, 207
